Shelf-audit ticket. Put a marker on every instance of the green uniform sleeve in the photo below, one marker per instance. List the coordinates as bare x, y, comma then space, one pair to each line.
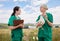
10, 22
38, 18
50, 18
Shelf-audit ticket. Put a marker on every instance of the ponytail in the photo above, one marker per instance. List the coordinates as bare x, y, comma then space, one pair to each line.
13, 14
14, 10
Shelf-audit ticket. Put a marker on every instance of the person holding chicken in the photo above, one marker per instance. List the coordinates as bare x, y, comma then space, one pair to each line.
45, 23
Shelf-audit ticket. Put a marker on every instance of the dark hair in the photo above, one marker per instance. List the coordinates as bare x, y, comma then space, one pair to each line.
14, 10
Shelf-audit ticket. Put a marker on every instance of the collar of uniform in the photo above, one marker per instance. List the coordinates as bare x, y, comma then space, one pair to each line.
17, 16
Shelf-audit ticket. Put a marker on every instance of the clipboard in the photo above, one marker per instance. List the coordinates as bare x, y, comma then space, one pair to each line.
17, 22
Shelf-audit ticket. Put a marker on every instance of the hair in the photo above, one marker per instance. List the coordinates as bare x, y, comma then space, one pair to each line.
14, 10
44, 6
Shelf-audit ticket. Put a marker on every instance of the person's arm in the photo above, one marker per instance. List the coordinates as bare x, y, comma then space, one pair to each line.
49, 20
10, 23
14, 27
50, 23
38, 23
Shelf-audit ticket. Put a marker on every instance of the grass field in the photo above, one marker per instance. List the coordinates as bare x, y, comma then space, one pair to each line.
31, 35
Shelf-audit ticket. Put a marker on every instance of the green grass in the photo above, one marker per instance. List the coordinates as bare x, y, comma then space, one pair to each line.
31, 35
3, 26
5, 35
56, 34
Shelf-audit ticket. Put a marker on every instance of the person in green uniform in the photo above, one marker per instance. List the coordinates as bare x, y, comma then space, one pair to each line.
45, 34
16, 31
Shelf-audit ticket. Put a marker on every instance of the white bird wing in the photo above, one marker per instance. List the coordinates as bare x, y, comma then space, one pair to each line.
42, 19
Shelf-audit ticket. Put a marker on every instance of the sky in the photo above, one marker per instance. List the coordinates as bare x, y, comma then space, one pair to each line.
29, 9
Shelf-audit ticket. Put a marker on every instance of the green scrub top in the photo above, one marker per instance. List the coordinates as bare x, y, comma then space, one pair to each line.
47, 30
18, 32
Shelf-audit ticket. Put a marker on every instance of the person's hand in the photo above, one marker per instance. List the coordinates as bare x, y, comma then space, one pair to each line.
39, 24
21, 25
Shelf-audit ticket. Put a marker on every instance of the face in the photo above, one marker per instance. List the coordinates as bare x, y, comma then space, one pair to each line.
18, 12
42, 9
